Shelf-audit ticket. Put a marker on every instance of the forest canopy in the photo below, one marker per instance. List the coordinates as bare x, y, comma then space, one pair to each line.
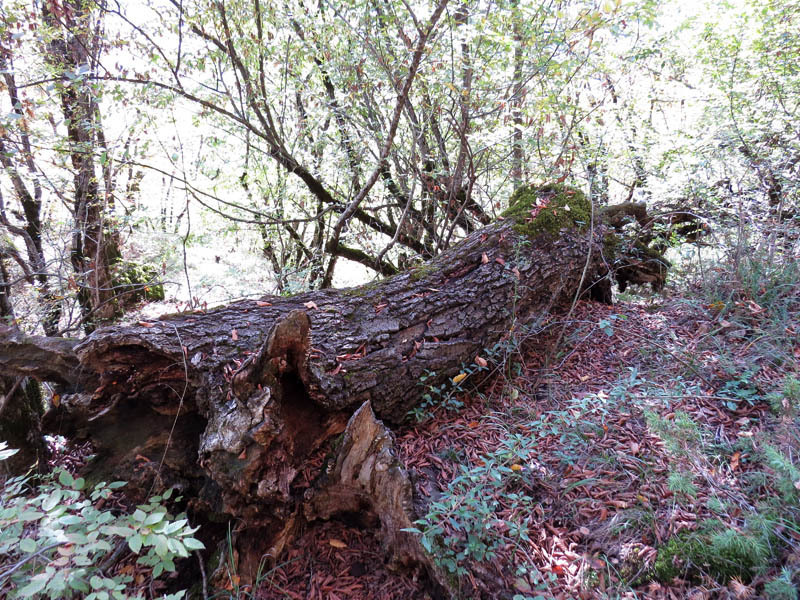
369, 137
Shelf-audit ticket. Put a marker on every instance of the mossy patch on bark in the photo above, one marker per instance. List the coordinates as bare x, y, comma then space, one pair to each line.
548, 209
139, 282
421, 271
366, 289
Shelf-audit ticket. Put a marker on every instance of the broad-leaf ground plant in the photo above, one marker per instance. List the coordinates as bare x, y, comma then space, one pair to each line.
57, 541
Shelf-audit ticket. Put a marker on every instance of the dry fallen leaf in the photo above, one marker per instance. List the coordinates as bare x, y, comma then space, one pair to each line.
484, 258
262, 303
480, 361
500, 261
234, 335
337, 543
634, 448
516, 468
146, 324
459, 378
310, 305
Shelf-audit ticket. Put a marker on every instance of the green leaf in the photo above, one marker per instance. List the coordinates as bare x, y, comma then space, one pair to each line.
70, 520
176, 547
154, 518
160, 544
65, 479
78, 484
76, 537
117, 530
193, 544
28, 545
30, 515
170, 528
5, 452
51, 501
135, 543
35, 586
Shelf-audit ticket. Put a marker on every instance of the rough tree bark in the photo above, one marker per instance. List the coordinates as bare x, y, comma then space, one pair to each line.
230, 404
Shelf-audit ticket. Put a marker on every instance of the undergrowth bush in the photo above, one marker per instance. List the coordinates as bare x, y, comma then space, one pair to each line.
757, 293
57, 542
463, 525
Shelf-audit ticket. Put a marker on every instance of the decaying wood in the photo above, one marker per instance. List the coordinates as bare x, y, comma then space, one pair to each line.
45, 358
230, 404
619, 215
643, 238
367, 482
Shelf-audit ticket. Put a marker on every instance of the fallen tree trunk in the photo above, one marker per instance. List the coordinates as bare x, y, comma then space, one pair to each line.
230, 404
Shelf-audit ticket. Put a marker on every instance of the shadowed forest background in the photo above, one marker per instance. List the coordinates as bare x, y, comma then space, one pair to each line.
399, 299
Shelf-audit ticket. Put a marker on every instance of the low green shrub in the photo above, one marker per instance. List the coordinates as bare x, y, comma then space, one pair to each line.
57, 542
463, 525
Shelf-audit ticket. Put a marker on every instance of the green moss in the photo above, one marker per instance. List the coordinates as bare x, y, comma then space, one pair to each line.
138, 282
646, 252
610, 244
421, 271
722, 552
366, 289
553, 217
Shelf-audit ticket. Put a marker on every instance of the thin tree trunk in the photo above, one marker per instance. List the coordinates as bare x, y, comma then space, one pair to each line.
95, 248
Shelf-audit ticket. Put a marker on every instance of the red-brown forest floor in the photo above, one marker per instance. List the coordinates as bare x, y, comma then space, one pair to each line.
644, 420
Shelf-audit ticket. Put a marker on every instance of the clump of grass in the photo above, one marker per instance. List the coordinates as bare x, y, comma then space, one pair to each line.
718, 550
781, 587
681, 435
787, 402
